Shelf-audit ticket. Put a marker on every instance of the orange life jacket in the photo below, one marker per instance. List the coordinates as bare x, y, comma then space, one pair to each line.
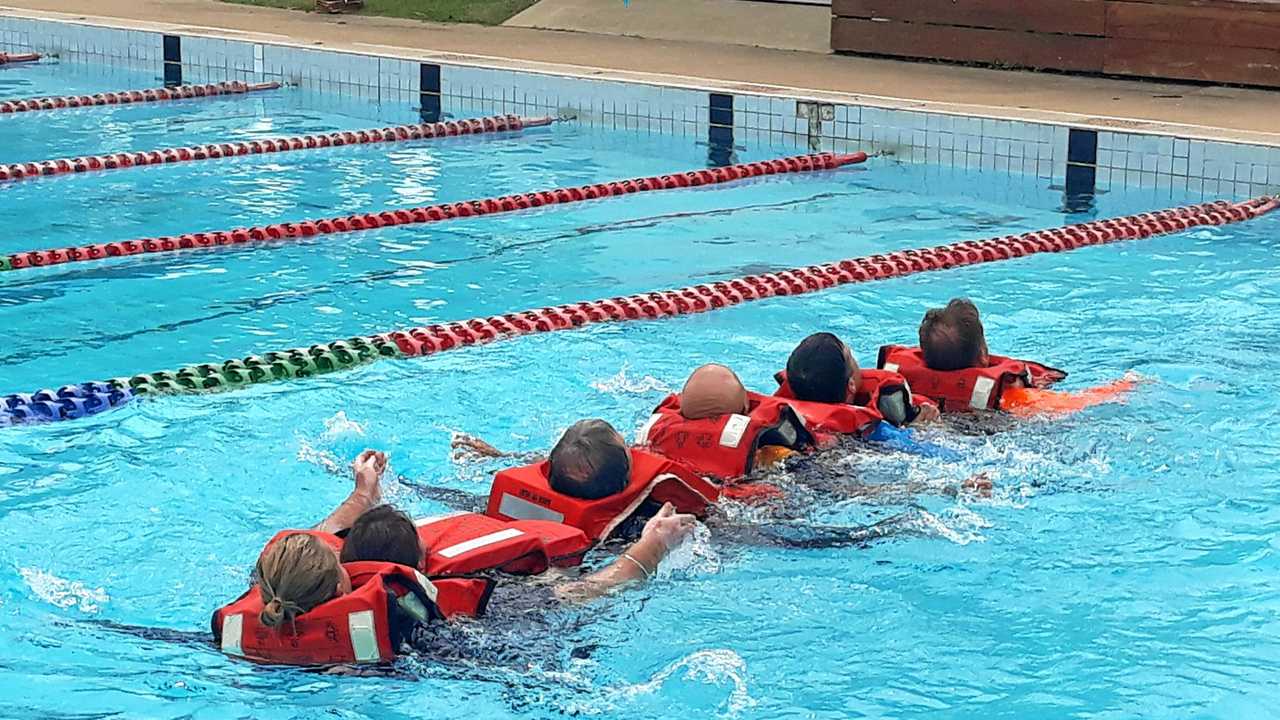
524, 493
367, 625
881, 396
723, 447
968, 389
470, 543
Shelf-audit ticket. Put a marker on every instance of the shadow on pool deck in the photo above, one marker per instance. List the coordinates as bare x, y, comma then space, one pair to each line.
1219, 112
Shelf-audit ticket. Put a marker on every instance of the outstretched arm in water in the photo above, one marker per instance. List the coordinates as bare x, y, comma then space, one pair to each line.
806, 536
367, 471
664, 532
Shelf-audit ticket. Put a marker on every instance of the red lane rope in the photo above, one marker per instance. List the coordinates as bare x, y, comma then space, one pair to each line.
6, 58
450, 128
713, 296
126, 97
430, 213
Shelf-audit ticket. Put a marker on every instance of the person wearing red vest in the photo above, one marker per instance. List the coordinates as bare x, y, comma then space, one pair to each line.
953, 366
822, 371
312, 606
594, 482
722, 431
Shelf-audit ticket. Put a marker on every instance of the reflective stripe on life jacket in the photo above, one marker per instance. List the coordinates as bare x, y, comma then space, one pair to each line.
525, 493
366, 625
723, 447
469, 543
968, 389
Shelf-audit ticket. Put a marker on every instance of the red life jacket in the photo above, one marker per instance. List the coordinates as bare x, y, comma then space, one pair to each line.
886, 395
525, 493
968, 389
367, 625
723, 447
470, 543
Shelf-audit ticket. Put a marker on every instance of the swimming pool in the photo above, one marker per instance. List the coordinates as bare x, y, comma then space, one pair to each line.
1123, 567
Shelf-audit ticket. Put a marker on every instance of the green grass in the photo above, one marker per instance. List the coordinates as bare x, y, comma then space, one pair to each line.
483, 12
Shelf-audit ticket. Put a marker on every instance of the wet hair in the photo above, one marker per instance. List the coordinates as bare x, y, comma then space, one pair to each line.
819, 369
297, 573
952, 338
590, 461
383, 534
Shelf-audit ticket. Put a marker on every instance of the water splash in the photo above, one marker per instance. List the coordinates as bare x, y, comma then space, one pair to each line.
63, 593
342, 440
694, 557
966, 528
620, 384
715, 667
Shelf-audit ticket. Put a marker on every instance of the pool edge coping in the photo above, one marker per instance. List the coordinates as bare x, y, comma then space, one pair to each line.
1060, 118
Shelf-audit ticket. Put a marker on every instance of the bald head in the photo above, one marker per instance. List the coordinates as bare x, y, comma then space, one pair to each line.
952, 338
711, 391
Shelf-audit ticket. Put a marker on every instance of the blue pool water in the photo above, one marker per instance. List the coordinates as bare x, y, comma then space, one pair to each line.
1124, 567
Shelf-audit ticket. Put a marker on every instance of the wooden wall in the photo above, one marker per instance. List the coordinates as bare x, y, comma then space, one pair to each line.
1234, 41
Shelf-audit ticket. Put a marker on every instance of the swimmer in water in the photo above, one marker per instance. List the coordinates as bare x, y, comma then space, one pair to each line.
376, 532
591, 460
822, 369
952, 339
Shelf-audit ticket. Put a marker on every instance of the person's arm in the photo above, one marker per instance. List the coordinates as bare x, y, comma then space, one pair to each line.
818, 537
664, 532
452, 498
367, 470
463, 445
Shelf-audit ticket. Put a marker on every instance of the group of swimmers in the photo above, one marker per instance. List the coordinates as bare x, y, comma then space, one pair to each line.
368, 579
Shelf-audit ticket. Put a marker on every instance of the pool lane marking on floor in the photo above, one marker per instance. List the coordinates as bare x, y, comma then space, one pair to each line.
428, 213
75, 401
240, 148
129, 97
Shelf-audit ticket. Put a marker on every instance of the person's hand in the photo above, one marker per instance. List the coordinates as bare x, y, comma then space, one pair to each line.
668, 528
927, 412
465, 443
978, 485
368, 468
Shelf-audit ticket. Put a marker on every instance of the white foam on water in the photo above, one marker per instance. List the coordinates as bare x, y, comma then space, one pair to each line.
63, 593
694, 557
340, 425
965, 531
309, 453
707, 667
620, 384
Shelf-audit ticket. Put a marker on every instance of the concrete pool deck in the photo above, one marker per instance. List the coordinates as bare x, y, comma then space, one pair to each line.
1221, 113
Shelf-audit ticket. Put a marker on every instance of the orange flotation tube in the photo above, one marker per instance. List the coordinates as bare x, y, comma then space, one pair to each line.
1032, 402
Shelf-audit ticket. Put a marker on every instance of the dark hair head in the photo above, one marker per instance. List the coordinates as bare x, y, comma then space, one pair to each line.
590, 462
952, 338
383, 534
820, 368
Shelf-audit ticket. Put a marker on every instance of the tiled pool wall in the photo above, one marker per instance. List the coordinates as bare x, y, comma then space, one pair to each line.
392, 89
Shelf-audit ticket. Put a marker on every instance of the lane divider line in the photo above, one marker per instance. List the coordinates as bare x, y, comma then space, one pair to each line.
129, 97
75, 401
213, 151
426, 214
